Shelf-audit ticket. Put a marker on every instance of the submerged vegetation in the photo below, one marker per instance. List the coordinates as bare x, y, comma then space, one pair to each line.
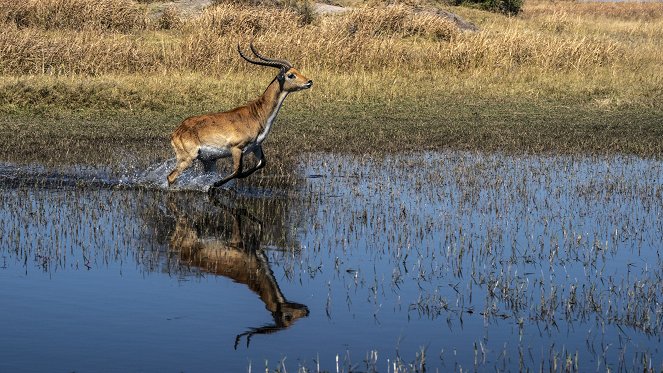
561, 76
473, 262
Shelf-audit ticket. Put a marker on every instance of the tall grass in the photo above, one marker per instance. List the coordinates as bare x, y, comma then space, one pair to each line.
609, 12
382, 38
121, 15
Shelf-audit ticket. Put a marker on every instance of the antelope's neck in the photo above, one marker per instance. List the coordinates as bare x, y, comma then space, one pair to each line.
271, 102
266, 286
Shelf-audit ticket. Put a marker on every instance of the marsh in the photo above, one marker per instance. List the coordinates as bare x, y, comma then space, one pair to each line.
478, 261
461, 189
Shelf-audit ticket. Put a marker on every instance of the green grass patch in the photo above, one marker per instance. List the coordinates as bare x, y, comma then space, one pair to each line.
127, 120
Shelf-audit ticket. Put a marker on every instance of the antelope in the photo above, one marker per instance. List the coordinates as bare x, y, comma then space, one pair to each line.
240, 258
238, 131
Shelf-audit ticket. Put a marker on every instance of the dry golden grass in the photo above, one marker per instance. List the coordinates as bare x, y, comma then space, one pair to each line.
121, 15
550, 42
364, 39
625, 11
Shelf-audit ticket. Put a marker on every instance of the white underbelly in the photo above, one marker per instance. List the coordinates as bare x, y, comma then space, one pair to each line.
211, 153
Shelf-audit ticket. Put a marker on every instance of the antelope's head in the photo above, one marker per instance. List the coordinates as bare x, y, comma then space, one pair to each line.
288, 77
285, 316
289, 312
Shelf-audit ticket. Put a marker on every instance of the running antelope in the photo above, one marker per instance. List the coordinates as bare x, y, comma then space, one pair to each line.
238, 131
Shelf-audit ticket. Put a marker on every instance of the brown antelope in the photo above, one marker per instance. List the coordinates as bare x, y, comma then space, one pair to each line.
241, 259
238, 131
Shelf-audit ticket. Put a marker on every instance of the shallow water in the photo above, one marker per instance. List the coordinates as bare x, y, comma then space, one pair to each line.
445, 260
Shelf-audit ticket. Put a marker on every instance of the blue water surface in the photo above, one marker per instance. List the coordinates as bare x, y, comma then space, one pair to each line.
443, 261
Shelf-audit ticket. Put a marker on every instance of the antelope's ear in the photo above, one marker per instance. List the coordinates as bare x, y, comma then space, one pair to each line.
281, 77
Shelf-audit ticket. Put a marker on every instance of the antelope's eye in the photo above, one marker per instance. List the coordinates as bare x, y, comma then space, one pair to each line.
291, 76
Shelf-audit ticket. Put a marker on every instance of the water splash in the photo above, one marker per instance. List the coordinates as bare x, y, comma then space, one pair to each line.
154, 177
190, 180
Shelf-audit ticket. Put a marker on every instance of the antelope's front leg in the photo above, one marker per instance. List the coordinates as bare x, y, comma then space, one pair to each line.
261, 162
237, 169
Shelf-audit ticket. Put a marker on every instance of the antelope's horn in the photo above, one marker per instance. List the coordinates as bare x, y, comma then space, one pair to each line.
284, 63
256, 62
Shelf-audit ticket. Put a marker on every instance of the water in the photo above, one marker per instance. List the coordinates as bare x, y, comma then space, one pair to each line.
446, 261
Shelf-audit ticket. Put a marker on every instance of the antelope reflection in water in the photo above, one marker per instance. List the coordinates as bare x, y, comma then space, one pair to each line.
240, 258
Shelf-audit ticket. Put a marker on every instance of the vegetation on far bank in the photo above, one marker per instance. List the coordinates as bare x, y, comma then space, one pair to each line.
560, 76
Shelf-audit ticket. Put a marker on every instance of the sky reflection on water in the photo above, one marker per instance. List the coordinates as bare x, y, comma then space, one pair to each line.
486, 261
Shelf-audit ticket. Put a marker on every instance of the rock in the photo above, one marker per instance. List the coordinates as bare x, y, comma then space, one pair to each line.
321, 8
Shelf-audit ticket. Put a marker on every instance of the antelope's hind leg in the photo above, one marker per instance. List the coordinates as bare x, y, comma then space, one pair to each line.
209, 165
184, 161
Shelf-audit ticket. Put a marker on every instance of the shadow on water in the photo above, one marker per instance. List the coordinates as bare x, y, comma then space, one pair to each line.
227, 241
